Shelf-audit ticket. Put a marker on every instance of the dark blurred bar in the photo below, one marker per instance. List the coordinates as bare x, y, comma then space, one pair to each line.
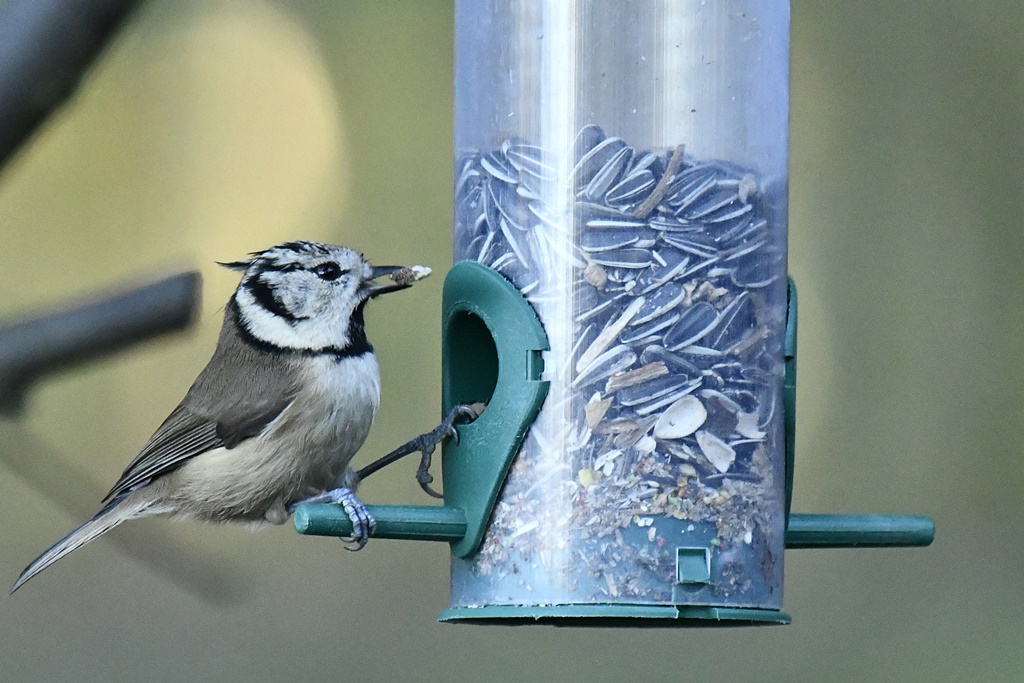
88, 330
45, 48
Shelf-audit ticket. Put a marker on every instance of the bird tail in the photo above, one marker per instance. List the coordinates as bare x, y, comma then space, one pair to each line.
121, 509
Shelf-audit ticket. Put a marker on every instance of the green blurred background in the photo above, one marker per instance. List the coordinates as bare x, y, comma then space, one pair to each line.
210, 129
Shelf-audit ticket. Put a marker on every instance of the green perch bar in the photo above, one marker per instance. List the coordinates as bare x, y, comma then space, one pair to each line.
440, 523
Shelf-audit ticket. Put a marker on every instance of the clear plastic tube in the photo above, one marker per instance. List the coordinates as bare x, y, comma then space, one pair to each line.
624, 164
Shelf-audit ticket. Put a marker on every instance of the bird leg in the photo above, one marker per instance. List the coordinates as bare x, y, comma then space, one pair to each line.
425, 445
363, 523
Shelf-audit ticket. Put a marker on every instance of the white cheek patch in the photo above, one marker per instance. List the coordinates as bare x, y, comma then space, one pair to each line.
266, 326
324, 328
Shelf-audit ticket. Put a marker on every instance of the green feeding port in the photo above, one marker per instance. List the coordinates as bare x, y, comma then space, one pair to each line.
475, 375
491, 349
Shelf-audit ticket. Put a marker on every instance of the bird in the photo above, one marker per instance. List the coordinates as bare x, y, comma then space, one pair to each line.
277, 414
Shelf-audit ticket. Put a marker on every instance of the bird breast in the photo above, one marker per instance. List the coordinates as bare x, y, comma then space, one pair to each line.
304, 451
332, 413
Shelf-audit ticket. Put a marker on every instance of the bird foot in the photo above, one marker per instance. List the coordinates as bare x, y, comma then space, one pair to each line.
363, 523
425, 444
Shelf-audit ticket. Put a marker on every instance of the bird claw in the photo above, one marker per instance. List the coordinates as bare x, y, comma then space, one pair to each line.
423, 476
426, 444
363, 523
469, 411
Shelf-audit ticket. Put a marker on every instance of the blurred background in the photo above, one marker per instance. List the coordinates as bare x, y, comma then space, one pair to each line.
212, 128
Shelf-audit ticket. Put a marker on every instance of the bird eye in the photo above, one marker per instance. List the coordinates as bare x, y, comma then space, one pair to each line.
328, 271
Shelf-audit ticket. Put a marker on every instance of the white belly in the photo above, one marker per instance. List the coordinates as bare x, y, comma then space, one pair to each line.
304, 451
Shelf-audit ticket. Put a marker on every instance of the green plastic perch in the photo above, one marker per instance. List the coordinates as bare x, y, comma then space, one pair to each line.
441, 523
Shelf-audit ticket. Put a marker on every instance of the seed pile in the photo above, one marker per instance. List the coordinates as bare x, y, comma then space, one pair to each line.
662, 288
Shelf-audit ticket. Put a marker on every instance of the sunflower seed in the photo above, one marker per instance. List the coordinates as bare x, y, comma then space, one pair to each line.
728, 213
663, 300
695, 322
514, 241
615, 359
587, 139
597, 217
650, 390
692, 243
631, 188
640, 334
513, 210
734, 320
623, 258
690, 192
532, 160
606, 240
663, 223
648, 161
715, 202
497, 165
609, 174
749, 229
594, 161
596, 310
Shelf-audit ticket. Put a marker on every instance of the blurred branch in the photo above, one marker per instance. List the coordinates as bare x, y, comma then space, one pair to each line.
75, 492
82, 332
45, 47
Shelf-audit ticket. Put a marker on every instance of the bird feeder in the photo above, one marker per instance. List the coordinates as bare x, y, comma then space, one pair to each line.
620, 302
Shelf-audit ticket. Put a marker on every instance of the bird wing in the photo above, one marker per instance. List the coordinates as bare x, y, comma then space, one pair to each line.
235, 397
182, 436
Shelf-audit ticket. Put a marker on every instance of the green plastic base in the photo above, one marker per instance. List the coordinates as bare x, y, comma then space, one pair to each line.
612, 615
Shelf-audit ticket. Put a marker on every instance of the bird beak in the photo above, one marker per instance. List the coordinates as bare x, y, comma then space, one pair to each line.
401, 277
